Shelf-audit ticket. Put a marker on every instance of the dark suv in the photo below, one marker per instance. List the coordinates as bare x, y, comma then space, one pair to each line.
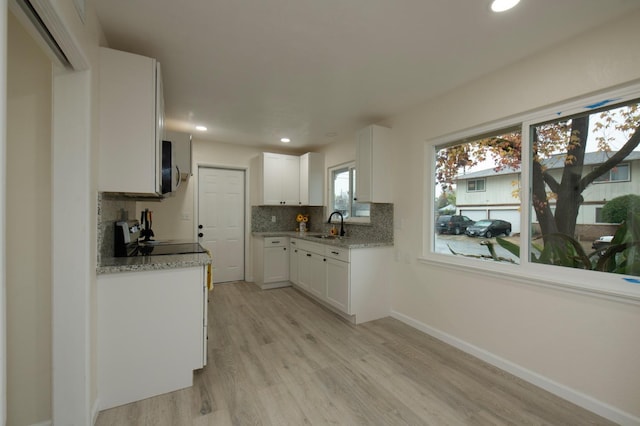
453, 224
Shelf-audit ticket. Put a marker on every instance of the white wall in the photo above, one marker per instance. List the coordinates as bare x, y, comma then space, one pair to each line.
589, 346
173, 218
29, 230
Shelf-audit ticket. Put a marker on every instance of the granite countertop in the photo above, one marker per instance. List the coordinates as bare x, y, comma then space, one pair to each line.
344, 242
151, 263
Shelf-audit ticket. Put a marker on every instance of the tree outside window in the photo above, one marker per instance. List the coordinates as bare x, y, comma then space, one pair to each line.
569, 155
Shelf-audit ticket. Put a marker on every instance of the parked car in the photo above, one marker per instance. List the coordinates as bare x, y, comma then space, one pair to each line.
602, 242
453, 224
489, 228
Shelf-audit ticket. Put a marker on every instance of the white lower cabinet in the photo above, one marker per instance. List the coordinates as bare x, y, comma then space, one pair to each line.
338, 284
293, 261
150, 333
304, 269
352, 281
316, 265
271, 262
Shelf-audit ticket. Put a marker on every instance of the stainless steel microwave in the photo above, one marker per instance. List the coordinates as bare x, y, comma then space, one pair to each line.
170, 170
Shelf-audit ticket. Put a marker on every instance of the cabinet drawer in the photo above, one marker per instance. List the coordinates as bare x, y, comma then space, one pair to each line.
338, 253
312, 247
276, 241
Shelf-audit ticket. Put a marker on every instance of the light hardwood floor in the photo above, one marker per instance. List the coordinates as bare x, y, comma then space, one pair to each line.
278, 358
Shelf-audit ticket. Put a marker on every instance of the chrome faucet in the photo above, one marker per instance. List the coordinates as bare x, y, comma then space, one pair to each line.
341, 221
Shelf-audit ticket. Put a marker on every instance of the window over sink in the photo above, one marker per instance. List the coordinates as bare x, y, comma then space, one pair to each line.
343, 192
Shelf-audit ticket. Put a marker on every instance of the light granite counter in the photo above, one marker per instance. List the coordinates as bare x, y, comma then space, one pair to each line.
152, 263
344, 242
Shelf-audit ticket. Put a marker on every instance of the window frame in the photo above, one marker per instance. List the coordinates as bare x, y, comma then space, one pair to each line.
593, 283
628, 179
484, 185
351, 167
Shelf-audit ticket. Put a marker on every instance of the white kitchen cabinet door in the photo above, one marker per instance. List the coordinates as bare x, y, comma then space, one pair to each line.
373, 162
338, 291
271, 262
276, 264
291, 180
280, 179
131, 123
318, 275
304, 269
312, 179
293, 261
271, 179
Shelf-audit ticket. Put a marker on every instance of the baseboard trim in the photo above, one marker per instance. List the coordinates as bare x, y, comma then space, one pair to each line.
585, 401
280, 284
94, 411
94, 416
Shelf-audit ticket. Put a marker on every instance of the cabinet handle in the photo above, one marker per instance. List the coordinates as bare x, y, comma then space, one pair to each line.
200, 234
324, 260
335, 252
285, 249
199, 226
275, 242
295, 251
308, 254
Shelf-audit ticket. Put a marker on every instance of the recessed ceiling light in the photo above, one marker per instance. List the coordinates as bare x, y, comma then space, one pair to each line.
201, 128
285, 140
502, 5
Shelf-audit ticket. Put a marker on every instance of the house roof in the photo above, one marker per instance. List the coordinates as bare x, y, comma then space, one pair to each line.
554, 162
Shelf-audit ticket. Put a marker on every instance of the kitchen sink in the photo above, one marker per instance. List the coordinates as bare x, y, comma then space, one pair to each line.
328, 237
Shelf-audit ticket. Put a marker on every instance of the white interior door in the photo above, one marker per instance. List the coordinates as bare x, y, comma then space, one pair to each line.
221, 210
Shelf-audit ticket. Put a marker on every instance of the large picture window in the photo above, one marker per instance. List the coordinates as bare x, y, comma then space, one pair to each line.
477, 187
534, 195
569, 155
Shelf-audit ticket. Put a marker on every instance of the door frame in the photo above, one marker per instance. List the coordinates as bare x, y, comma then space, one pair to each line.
247, 216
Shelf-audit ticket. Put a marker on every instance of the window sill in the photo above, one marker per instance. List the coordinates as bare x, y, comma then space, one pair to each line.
612, 288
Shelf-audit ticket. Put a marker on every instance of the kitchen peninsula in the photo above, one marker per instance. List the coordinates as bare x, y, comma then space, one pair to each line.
152, 316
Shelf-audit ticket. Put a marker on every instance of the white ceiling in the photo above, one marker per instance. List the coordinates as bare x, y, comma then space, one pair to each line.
253, 71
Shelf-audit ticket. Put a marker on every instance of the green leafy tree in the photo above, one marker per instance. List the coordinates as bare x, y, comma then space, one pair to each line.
446, 198
621, 208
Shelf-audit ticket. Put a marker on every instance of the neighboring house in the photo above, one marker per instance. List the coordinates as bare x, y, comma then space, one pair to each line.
494, 195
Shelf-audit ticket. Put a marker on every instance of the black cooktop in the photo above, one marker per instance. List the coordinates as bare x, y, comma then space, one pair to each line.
169, 248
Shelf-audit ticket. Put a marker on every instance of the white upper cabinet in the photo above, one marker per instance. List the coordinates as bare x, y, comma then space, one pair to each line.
131, 123
373, 162
279, 179
312, 179
182, 143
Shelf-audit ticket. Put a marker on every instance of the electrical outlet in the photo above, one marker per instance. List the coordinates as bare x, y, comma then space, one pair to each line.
273, 219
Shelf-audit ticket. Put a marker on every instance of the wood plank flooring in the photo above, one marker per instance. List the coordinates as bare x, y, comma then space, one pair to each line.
277, 358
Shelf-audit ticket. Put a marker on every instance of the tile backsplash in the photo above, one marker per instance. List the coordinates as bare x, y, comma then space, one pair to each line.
380, 227
113, 208
110, 210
